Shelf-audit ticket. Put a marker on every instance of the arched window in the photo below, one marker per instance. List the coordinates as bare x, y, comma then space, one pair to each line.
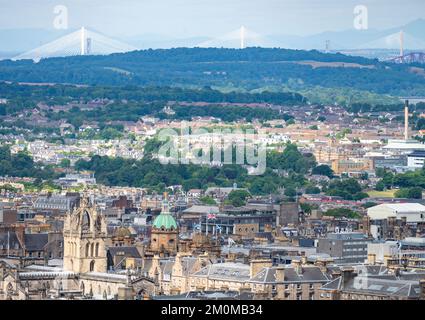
92, 266
87, 249
86, 221
97, 249
92, 250
82, 287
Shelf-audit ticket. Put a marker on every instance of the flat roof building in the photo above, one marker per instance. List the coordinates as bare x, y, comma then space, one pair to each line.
412, 212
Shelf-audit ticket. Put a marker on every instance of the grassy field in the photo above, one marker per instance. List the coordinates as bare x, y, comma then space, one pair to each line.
381, 194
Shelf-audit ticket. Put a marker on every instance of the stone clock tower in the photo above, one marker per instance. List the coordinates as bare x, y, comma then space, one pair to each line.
85, 236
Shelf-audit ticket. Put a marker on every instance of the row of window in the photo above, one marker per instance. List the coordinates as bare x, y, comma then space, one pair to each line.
356, 256
350, 243
92, 249
354, 249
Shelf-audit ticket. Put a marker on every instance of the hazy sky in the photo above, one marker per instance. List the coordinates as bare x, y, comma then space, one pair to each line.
186, 18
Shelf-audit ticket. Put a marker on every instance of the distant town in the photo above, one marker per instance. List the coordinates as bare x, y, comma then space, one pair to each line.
347, 223
244, 154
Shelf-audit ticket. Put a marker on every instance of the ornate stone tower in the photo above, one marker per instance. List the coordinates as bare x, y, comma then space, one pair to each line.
165, 233
85, 237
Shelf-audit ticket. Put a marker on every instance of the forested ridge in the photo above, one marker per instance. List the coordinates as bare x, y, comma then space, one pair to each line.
247, 69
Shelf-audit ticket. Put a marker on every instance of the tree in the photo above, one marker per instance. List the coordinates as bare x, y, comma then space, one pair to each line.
312, 190
360, 196
368, 205
420, 124
342, 212
307, 208
409, 193
291, 159
207, 200
323, 170
349, 189
65, 163
364, 176
380, 186
290, 192
238, 198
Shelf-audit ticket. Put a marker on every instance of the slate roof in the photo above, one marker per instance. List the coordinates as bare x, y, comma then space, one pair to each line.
167, 267
13, 241
188, 264
399, 288
147, 265
128, 251
379, 284
308, 275
225, 271
202, 209
35, 241
208, 295
333, 285
7, 263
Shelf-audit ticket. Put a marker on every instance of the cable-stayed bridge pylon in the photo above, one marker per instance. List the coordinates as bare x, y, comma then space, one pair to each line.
80, 42
239, 38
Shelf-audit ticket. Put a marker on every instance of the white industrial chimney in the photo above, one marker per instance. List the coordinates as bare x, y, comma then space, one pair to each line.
406, 120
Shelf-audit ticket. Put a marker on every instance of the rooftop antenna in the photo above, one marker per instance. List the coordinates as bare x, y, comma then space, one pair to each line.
242, 37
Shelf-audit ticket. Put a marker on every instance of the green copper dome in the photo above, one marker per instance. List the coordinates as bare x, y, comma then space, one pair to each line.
165, 219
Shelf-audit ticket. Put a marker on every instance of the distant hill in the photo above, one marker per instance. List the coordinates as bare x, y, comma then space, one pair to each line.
355, 39
246, 69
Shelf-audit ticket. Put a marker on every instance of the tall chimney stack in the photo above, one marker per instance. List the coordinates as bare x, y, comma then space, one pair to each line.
406, 120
